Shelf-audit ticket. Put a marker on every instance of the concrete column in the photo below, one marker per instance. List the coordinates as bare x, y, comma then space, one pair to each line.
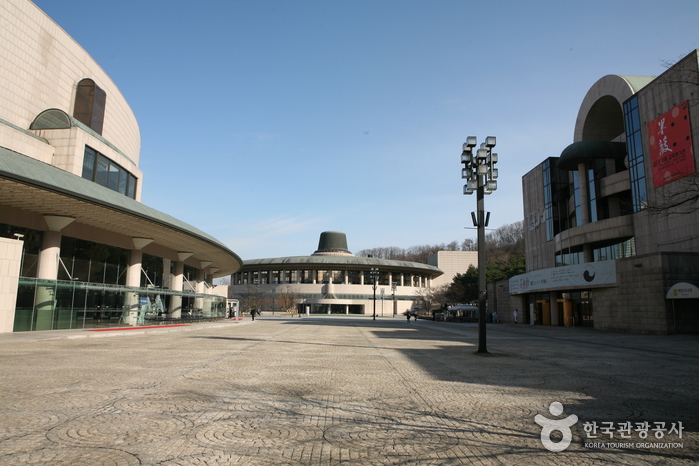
347, 309
48, 256
133, 279
167, 275
177, 281
199, 288
47, 269
584, 194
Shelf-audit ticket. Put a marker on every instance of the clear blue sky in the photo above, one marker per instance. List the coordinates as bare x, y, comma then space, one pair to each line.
266, 122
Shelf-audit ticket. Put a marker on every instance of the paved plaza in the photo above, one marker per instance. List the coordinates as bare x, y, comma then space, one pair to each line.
346, 390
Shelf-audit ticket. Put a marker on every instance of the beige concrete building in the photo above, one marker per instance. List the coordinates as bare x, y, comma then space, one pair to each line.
612, 225
78, 247
332, 280
452, 263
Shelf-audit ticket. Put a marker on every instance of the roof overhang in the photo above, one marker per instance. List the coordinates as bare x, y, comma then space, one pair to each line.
584, 151
37, 187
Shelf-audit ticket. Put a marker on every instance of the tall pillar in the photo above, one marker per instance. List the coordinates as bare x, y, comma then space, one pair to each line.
133, 280
199, 289
177, 281
47, 269
588, 255
48, 256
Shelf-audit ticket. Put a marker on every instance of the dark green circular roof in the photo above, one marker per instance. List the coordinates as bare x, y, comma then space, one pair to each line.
332, 241
583, 151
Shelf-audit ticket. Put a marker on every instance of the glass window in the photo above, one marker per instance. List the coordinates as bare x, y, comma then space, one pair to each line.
123, 181
639, 193
89, 164
131, 190
102, 171
90, 102
354, 277
113, 181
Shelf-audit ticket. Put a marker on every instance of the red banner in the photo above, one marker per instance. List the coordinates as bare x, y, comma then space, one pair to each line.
670, 140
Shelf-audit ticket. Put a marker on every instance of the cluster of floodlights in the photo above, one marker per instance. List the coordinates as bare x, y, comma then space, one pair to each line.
479, 166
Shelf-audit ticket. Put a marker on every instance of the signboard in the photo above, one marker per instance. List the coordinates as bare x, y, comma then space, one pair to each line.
579, 276
683, 291
670, 141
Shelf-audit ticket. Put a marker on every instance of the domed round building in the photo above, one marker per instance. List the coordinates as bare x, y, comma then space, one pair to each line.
332, 280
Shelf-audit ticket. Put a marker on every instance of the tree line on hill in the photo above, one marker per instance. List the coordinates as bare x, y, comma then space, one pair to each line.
504, 248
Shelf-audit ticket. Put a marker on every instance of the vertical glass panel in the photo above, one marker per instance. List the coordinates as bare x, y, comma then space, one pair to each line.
65, 316
98, 105
83, 101
113, 182
131, 191
24, 309
354, 277
123, 181
89, 164
102, 171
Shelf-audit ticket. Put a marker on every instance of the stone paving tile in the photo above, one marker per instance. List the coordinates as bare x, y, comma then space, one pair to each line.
345, 391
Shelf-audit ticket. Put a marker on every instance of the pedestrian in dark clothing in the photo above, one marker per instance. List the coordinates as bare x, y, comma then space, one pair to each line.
408, 314
252, 313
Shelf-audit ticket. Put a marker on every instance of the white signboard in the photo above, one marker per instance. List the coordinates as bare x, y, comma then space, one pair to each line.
571, 276
683, 291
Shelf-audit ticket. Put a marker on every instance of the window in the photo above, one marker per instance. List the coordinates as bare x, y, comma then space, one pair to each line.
90, 101
104, 172
634, 145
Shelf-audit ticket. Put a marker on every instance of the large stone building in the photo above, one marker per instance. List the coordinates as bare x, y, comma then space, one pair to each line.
612, 225
77, 247
332, 280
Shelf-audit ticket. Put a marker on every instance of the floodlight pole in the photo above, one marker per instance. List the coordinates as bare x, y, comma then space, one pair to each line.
374, 279
482, 290
480, 172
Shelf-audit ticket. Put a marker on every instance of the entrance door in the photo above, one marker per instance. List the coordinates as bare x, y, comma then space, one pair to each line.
585, 316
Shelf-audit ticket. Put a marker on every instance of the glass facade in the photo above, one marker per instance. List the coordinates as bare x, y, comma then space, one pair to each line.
354, 277
104, 172
61, 305
555, 198
634, 147
576, 218
92, 262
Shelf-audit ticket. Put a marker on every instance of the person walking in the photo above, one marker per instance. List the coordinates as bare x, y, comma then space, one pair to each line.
515, 315
252, 314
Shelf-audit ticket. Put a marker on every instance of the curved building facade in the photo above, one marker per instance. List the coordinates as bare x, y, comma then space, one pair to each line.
77, 247
332, 280
613, 230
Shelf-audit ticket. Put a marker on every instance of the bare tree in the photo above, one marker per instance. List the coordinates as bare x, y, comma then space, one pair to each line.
289, 298
427, 298
684, 198
250, 298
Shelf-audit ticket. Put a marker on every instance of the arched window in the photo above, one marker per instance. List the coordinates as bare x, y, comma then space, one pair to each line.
90, 101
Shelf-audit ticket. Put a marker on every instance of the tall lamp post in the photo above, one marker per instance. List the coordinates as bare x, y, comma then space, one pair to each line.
374, 283
393, 291
480, 174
